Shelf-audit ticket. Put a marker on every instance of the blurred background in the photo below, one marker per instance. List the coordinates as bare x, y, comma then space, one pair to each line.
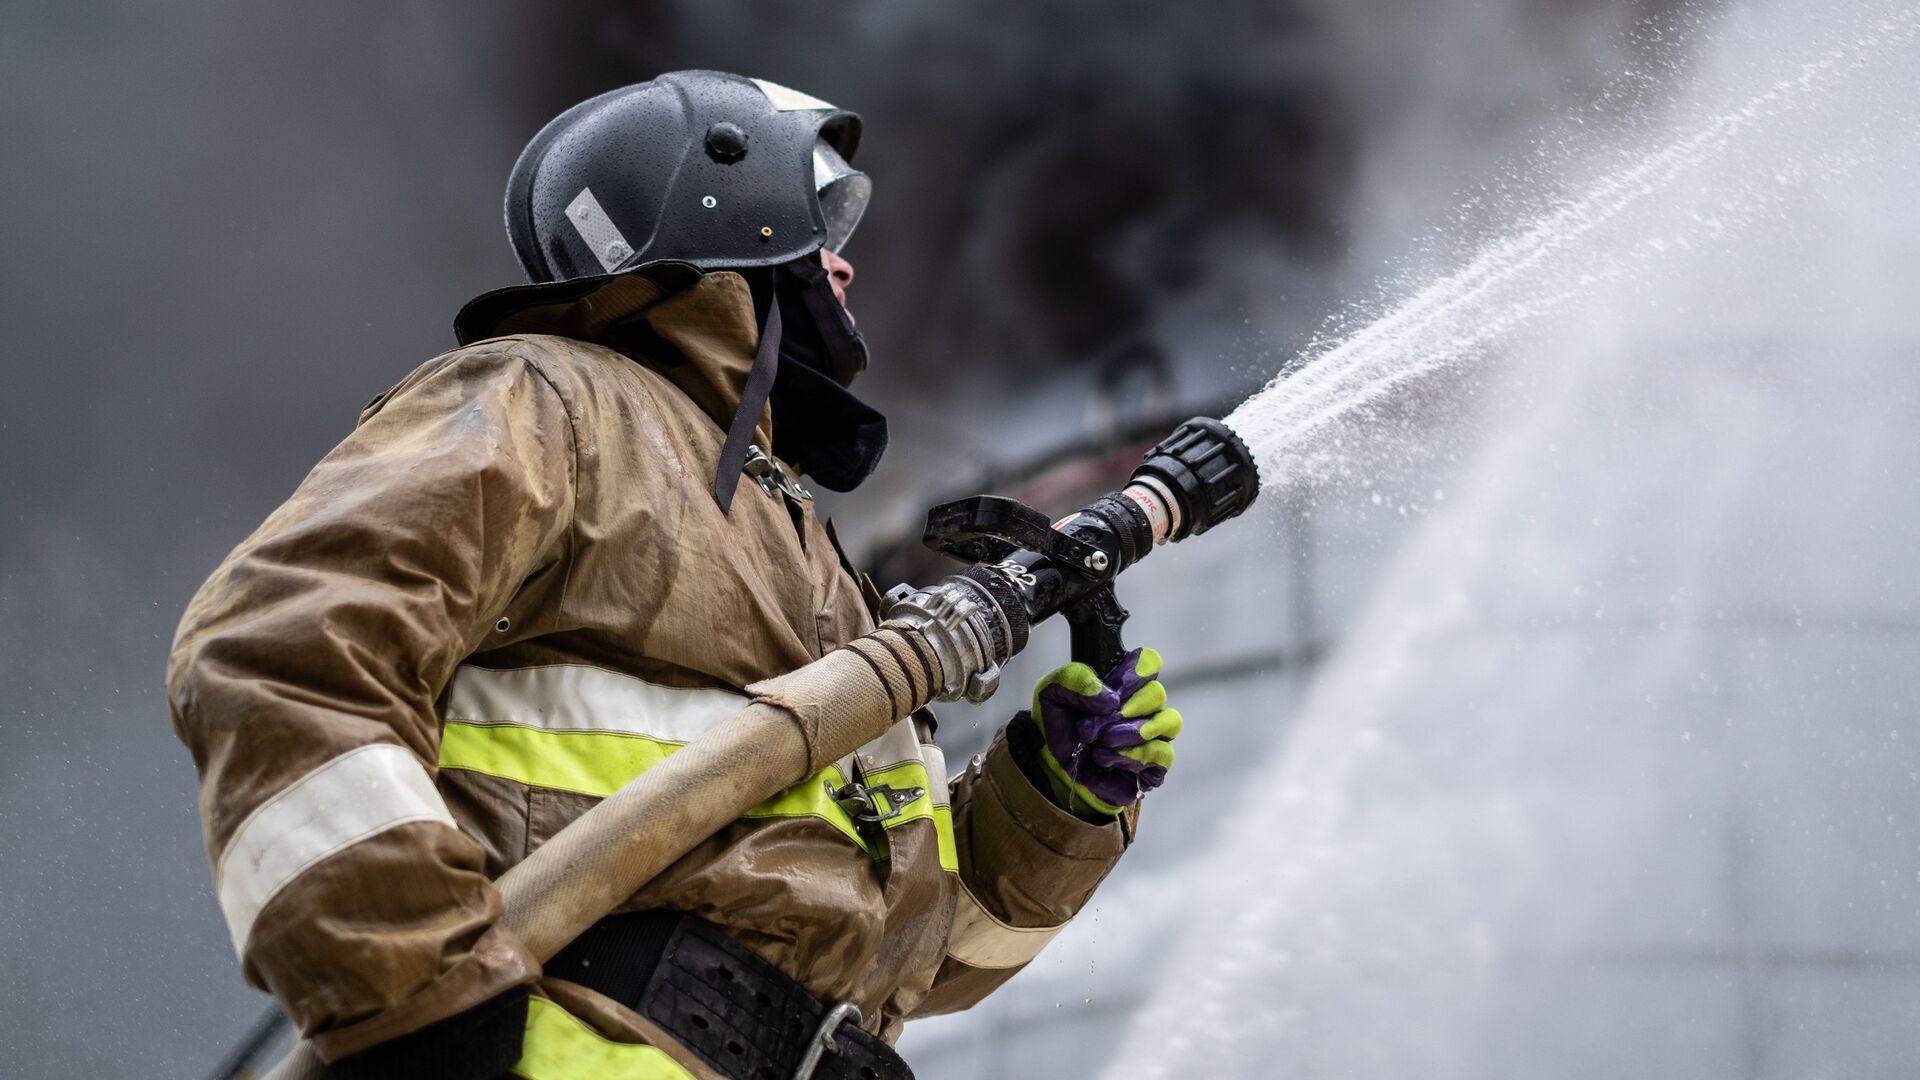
1562, 733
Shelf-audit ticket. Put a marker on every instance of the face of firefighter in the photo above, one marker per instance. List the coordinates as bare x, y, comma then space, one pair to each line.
840, 274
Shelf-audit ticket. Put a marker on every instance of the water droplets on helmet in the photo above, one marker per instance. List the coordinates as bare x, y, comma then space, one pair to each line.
703, 167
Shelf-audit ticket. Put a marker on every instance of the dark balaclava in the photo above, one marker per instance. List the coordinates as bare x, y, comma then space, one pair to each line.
818, 424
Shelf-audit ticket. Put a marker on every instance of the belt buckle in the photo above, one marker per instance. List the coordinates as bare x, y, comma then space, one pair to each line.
823, 1040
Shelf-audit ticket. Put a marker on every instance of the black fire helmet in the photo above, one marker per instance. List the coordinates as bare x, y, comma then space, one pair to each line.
707, 168
713, 169
690, 172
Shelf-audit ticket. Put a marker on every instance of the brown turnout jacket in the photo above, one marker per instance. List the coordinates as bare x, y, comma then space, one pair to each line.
509, 591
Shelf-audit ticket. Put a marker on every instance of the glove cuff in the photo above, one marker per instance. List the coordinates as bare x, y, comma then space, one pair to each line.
1027, 741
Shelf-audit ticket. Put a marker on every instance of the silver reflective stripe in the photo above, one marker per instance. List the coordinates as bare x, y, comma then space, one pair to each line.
936, 760
897, 745
359, 794
602, 236
787, 99
980, 940
573, 697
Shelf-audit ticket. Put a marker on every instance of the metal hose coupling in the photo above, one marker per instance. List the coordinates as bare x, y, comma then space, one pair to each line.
970, 629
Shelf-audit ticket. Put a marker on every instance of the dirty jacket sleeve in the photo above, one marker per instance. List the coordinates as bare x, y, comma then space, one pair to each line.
1026, 868
304, 679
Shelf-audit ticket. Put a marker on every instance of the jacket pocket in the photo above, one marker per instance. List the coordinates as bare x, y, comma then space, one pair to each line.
549, 811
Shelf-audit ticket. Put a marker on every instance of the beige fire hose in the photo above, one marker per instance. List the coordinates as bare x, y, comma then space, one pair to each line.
795, 726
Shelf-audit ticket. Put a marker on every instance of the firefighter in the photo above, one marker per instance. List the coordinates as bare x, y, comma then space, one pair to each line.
549, 558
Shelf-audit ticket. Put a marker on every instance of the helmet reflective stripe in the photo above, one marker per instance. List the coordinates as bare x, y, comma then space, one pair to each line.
843, 191
787, 99
601, 235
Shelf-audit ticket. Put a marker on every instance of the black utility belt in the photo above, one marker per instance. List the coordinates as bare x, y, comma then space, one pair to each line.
719, 999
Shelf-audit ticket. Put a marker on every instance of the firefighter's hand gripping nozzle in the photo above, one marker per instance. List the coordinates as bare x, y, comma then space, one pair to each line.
1027, 568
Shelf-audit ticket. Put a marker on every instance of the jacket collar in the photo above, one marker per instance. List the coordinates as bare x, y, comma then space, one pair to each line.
697, 329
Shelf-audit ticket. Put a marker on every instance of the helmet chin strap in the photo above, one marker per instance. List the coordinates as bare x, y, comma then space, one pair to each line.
753, 398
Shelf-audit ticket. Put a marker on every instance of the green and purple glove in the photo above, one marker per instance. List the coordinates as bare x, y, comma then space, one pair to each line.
1107, 741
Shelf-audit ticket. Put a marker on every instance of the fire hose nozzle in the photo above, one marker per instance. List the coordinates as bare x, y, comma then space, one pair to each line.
1199, 476
1027, 568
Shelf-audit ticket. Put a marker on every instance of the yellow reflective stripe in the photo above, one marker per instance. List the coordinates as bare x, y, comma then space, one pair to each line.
559, 1047
599, 763
808, 798
943, 838
594, 763
913, 774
